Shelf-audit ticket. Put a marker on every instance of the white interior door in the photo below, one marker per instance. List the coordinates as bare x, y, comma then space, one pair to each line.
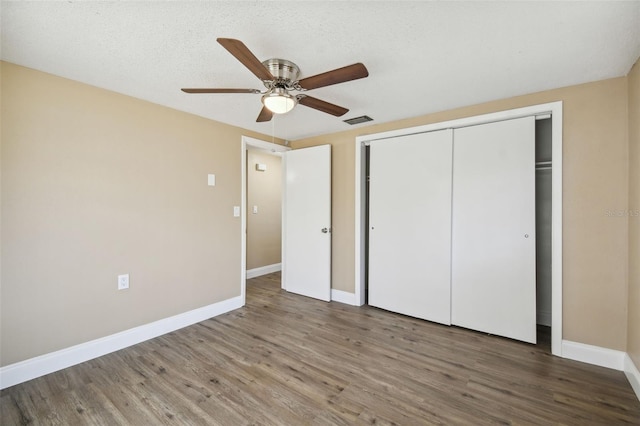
493, 232
306, 228
410, 225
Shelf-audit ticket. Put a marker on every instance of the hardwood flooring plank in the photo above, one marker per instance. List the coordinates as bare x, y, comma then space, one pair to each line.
122, 402
14, 411
187, 383
35, 402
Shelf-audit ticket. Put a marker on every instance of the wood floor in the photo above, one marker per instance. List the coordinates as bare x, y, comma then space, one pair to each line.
289, 360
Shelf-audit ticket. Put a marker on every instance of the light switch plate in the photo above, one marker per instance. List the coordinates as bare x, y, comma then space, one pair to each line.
211, 180
236, 211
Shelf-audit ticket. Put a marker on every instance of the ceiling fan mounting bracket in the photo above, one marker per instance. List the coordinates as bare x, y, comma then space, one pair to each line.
280, 83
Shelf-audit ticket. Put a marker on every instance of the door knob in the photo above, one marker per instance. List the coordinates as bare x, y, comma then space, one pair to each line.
325, 230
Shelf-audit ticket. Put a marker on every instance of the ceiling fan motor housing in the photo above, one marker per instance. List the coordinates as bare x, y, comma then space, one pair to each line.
285, 72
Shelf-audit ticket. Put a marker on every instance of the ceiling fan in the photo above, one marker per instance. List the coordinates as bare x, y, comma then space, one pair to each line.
280, 77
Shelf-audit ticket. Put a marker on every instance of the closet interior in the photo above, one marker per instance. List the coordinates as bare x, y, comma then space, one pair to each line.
543, 221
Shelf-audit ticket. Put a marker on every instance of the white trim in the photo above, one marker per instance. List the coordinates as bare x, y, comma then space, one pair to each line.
271, 148
360, 208
632, 373
595, 355
344, 297
555, 109
48, 363
263, 270
492, 117
556, 228
283, 228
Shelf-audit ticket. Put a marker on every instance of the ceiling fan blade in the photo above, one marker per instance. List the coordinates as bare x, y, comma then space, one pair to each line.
248, 59
340, 75
265, 115
220, 90
323, 106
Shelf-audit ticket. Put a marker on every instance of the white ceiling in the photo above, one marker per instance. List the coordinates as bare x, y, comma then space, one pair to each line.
422, 57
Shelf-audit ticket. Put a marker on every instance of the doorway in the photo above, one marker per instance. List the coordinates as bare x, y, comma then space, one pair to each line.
260, 146
264, 213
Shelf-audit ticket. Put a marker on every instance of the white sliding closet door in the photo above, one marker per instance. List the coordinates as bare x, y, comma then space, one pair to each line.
493, 233
410, 225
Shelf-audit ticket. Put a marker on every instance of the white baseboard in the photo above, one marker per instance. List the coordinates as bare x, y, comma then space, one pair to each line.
343, 297
263, 270
595, 355
632, 373
48, 363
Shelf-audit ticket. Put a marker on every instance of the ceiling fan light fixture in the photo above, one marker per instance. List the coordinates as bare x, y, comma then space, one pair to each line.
278, 101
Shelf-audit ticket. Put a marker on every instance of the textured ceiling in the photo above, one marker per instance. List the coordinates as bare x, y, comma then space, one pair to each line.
422, 56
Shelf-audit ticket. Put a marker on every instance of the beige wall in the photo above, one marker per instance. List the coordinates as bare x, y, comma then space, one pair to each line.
96, 184
264, 229
595, 180
633, 342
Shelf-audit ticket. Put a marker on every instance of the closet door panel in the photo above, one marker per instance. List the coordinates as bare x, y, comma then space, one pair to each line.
493, 231
410, 225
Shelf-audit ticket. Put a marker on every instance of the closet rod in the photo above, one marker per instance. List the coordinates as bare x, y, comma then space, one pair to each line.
543, 163
544, 168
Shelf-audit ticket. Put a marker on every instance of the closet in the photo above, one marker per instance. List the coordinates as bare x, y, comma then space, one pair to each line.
452, 226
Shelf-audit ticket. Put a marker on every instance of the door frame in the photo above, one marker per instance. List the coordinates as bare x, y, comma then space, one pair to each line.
273, 149
553, 108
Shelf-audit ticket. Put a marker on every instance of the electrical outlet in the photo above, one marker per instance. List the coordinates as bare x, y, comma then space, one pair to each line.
123, 282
